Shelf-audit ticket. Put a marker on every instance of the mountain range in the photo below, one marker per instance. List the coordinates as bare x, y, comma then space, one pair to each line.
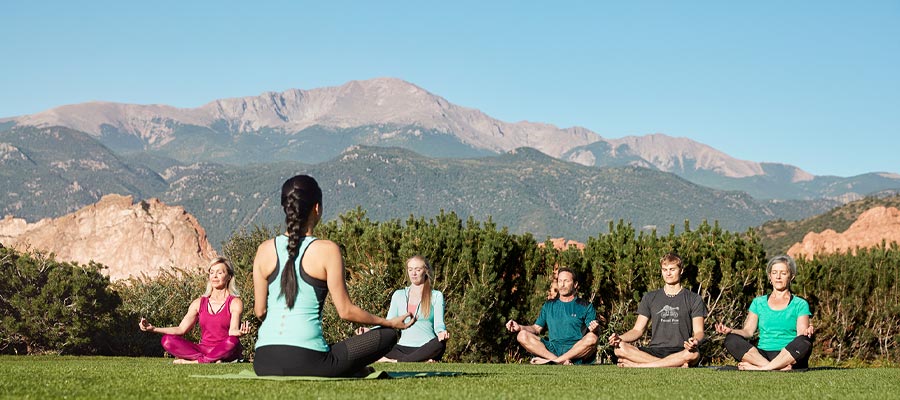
224, 160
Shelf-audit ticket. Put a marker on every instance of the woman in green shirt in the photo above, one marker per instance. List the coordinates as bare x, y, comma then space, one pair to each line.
785, 334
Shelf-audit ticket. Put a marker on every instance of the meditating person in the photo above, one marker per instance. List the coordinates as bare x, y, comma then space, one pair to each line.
571, 323
292, 274
785, 333
675, 315
425, 340
219, 311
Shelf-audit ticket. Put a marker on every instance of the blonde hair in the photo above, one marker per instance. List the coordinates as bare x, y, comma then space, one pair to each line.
426, 289
232, 286
671, 258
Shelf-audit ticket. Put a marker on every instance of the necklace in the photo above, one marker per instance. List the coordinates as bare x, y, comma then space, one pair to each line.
209, 306
672, 294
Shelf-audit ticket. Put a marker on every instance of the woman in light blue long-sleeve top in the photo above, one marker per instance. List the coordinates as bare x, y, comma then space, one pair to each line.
426, 339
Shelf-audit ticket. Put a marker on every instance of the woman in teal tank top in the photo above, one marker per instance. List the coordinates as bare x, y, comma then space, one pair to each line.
785, 334
292, 274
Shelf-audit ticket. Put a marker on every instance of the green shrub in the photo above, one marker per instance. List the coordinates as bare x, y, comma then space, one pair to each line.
54, 307
162, 300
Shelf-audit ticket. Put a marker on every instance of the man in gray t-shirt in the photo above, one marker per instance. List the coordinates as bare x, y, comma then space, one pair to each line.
676, 317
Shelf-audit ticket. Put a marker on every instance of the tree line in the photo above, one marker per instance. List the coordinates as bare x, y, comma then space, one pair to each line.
487, 275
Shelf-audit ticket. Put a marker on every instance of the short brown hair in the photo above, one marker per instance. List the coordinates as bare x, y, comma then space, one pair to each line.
670, 258
569, 270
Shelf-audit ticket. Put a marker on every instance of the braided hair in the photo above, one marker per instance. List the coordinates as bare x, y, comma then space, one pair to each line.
298, 197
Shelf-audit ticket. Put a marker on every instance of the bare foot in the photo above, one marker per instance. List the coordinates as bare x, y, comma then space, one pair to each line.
183, 361
430, 361
566, 362
385, 359
745, 366
541, 361
628, 363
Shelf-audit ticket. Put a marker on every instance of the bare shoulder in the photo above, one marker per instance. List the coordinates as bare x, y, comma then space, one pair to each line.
195, 305
325, 245
266, 247
237, 303
323, 251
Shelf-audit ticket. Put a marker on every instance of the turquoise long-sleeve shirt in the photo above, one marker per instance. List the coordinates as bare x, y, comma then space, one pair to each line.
424, 329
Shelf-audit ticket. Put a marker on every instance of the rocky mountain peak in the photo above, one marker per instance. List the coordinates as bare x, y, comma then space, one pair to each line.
678, 154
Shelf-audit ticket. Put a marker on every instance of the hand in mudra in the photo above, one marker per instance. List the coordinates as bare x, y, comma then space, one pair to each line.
146, 325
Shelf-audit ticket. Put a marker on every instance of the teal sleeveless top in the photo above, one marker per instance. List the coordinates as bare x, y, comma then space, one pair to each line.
302, 325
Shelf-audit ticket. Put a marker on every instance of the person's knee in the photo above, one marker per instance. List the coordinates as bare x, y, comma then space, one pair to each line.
233, 341
524, 337
389, 337
736, 345
590, 339
167, 341
733, 340
800, 347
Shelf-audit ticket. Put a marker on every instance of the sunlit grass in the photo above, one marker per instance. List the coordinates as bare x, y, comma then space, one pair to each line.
119, 377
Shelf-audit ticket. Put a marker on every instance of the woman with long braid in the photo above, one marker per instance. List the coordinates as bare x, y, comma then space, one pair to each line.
292, 274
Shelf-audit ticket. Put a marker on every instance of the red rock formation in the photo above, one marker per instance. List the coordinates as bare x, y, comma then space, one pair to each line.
870, 229
563, 244
130, 238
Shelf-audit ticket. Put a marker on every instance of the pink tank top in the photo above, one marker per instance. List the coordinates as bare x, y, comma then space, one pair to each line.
214, 327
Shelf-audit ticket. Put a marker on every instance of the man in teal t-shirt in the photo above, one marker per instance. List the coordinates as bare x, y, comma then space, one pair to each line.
571, 324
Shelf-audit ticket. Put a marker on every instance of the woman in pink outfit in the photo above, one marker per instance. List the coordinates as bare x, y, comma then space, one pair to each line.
219, 312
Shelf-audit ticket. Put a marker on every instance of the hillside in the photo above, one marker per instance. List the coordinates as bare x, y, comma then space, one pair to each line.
778, 235
525, 190
48, 172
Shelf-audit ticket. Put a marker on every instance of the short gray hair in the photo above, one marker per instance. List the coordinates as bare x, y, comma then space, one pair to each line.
783, 259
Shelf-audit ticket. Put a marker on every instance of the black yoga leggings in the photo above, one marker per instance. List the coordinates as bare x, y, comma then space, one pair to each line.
346, 358
800, 348
433, 350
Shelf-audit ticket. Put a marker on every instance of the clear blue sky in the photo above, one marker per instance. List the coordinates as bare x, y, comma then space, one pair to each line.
815, 84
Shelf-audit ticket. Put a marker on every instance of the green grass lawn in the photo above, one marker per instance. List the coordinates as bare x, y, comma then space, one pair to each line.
117, 377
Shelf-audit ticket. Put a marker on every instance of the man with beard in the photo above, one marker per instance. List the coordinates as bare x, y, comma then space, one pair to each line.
572, 325
676, 315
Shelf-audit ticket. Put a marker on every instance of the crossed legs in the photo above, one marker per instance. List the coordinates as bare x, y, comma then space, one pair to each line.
794, 355
633, 357
583, 348
187, 352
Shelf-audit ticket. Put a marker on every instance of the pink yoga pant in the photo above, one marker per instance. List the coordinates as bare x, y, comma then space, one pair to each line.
227, 350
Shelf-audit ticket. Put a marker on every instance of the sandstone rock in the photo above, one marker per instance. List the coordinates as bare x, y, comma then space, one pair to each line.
130, 238
563, 244
870, 229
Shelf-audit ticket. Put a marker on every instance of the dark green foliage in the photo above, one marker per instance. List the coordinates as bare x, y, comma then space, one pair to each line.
489, 276
855, 299
163, 301
54, 307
